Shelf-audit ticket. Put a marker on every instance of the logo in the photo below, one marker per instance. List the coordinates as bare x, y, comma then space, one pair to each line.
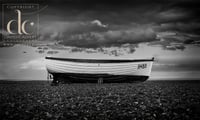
20, 22
21, 26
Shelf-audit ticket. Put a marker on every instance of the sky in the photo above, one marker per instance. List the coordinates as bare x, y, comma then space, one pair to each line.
168, 30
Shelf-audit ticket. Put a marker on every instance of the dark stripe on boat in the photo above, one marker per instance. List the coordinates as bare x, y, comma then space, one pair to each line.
98, 60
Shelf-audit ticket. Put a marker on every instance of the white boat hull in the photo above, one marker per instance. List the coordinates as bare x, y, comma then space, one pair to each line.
98, 68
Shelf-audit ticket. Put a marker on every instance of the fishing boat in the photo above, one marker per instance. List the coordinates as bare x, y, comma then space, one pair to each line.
98, 70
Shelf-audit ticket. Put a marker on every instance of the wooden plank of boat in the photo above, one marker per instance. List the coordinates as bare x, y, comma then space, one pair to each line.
95, 67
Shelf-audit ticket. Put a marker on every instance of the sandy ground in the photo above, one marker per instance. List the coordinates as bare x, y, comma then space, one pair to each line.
150, 100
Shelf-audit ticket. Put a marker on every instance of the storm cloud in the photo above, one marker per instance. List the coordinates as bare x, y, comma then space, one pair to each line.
101, 23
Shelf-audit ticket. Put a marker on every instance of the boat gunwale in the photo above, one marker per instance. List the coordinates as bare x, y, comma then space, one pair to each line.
100, 60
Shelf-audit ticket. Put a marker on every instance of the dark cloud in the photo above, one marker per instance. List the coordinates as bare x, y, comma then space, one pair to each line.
123, 12
102, 23
129, 22
191, 27
95, 34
